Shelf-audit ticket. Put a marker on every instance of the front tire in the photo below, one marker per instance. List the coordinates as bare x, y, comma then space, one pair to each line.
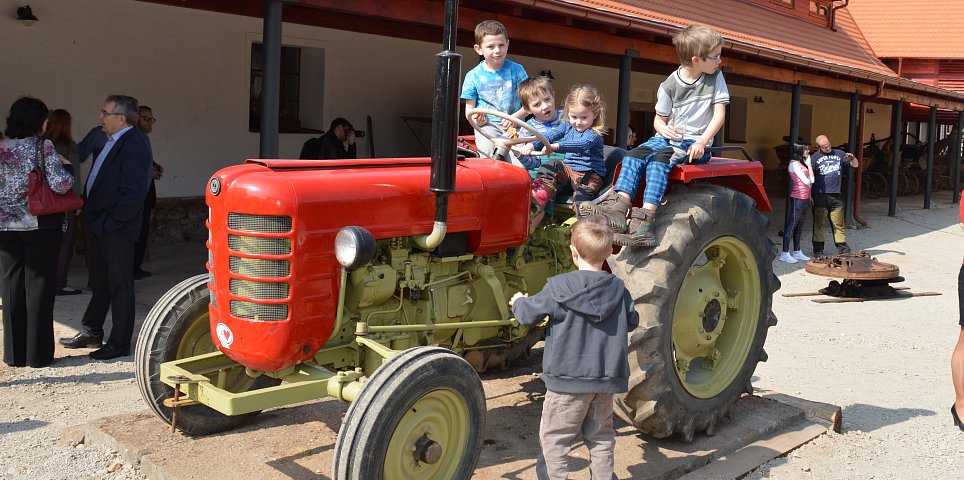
178, 327
419, 416
704, 296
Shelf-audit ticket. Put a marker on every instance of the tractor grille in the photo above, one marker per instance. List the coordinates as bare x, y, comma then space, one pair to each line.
259, 223
255, 267
258, 312
259, 245
263, 277
259, 290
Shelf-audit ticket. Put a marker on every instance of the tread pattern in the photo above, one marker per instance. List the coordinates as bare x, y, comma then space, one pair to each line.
657, 403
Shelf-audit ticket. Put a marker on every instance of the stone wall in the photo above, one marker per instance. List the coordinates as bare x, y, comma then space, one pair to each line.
179, 219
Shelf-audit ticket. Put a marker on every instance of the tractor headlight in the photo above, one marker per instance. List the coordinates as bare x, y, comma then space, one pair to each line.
354, 247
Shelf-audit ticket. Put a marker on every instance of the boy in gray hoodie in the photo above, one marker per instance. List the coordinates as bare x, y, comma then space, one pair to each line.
585, 359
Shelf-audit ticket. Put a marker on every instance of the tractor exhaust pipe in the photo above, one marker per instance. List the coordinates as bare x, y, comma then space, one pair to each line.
448, 64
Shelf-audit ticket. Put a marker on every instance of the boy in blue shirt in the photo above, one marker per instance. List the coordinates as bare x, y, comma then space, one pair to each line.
539, 100
690, 109
493, 83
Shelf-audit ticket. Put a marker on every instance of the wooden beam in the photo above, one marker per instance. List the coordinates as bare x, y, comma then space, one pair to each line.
421, 20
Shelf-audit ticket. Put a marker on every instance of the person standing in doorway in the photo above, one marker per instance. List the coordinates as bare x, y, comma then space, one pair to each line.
113, 211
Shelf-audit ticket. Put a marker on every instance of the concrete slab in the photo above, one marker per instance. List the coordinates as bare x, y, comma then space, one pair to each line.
298, 442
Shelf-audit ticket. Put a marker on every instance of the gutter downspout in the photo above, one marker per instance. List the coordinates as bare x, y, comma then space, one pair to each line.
833, 15
860, 152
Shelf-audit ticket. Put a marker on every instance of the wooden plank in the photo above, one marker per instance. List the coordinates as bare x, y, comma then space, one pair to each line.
857, 300
827, 414
838, 300
757, 453
812, 294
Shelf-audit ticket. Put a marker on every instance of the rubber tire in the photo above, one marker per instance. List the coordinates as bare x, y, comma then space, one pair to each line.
694, 216
164, 328
371, 420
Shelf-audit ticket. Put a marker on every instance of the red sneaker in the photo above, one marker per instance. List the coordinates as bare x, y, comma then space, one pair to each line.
540, 194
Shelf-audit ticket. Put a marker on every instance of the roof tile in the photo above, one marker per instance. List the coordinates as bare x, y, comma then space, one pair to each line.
897, 28
758, 26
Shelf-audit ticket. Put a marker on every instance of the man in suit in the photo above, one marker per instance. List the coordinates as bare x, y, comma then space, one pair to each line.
115, 191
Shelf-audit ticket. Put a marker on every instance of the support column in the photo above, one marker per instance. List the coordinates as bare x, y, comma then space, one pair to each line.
271, 80
897, 135
929, 175
854, 148
625, 92
794, 133
956, 171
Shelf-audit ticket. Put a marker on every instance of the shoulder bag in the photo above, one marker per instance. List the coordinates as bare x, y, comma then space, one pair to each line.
40, 198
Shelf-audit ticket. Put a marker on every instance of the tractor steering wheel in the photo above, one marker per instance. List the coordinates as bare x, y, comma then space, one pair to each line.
502, 141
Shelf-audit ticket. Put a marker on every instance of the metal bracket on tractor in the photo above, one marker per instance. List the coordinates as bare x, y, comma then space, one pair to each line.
862, 278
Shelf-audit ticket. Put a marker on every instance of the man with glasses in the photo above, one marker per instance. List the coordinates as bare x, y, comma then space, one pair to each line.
145, 122
112, 213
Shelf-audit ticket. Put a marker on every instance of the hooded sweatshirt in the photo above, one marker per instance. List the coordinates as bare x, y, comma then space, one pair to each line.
590, 316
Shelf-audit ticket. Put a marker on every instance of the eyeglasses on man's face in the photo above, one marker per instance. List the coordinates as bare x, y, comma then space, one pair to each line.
715, 58
105, 113
148, 119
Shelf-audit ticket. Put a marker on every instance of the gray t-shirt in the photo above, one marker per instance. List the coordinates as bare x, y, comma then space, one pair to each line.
691, 103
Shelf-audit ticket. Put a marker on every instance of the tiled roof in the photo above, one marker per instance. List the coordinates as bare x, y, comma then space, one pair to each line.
921, 29
752, 27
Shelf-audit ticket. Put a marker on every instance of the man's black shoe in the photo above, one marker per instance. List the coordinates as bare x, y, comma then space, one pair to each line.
139, 274
81, 340
109, 352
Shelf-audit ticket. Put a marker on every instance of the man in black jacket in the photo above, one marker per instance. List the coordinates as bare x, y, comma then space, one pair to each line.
331, 145
115, 193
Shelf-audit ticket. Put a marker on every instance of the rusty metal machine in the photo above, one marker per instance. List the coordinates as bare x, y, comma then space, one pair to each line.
385, 283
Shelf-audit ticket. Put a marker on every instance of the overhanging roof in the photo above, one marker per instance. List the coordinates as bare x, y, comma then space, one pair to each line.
761, 43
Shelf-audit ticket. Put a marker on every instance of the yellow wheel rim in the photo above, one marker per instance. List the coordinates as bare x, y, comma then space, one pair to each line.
716, 315
435, 429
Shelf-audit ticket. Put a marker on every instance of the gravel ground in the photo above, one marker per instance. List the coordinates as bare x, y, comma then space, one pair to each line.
885, 363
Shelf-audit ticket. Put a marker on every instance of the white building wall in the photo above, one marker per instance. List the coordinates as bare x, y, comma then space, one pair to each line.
193, 68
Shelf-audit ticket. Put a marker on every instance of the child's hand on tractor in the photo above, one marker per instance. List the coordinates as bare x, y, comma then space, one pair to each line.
480, 119
517, 296
525, 149
696, 151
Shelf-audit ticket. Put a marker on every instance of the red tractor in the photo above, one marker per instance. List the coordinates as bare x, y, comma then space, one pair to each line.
385, 283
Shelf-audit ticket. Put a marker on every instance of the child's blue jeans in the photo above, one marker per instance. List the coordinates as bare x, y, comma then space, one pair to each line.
656, 157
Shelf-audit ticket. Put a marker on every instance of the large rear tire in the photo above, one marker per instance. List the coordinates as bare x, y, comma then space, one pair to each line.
178, 327
419, 416
703, 295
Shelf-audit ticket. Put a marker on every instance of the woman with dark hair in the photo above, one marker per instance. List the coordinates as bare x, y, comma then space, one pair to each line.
28, 244
58, 131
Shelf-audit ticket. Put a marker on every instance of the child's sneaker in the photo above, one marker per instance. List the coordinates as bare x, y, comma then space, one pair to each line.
540, 195
640, 230
800, 256
614, 209
787, 258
